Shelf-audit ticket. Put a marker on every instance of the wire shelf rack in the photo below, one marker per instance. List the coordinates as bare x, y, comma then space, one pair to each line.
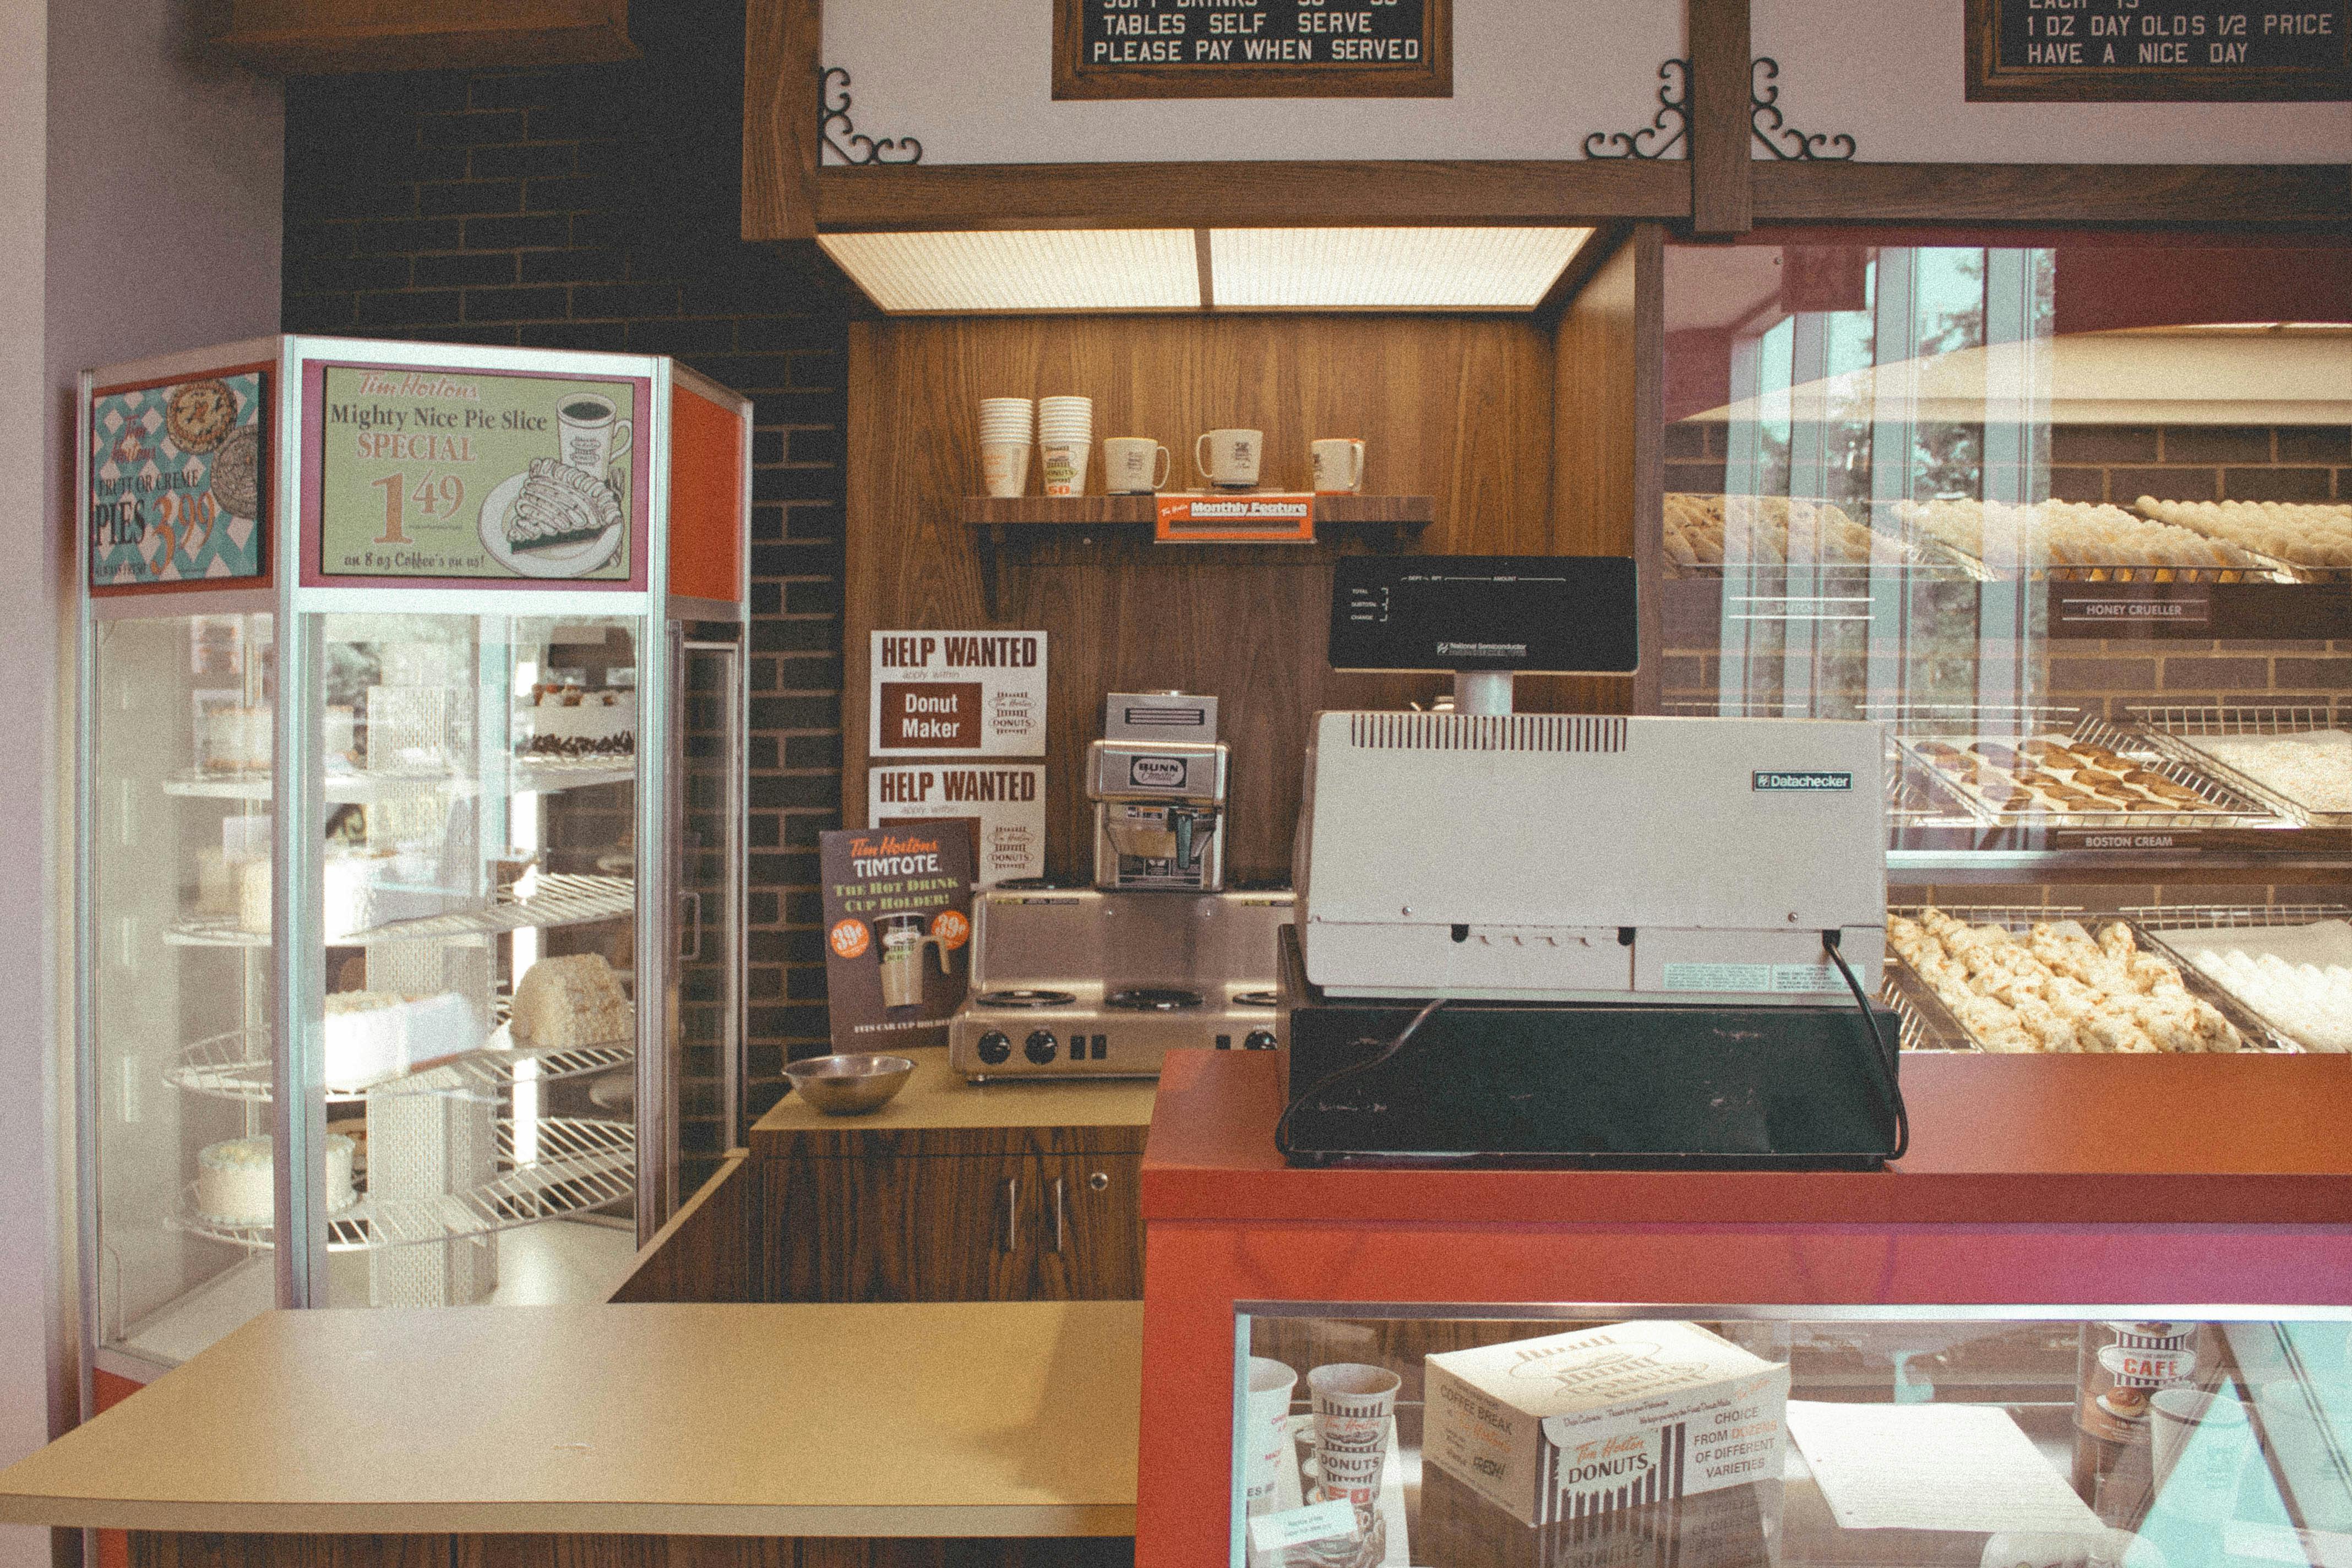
579, 1164
2179, 731
237, 1066
532, 775
2160, 921
549, 902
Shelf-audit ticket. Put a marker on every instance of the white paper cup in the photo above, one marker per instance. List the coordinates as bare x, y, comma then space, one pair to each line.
1353, 1475
1065, 466
1266, 1429
2148, 1369
1353, 1402
2153, 1336
2201, 1442
1004, 467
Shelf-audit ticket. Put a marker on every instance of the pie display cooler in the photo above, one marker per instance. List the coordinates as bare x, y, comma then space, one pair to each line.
2071, 513
409, 860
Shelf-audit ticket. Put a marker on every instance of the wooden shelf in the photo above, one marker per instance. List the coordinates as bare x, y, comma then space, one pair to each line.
996, 519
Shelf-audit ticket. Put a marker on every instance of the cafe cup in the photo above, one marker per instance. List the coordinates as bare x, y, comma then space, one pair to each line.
903, 942
2200, 1444
1134, 465
1065, 466
1354, 1476
1353, 1402
1267, 1430
1338, 465
590, 433
1228, 458
1004, 466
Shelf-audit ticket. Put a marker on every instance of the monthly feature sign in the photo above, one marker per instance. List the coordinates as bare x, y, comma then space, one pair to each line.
1008, 802
2198, 50
454, 473
957, 694
176, 482
1253, 48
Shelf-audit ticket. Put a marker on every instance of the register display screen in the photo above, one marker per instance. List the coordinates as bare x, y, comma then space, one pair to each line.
1555, 615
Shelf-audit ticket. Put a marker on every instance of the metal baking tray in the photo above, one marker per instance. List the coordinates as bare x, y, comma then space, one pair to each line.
1913, 552
2157, 920
2225, 806
1936, 1019
2177, 730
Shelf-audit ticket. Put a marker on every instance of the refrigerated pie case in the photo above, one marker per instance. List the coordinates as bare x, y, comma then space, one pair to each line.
409, 874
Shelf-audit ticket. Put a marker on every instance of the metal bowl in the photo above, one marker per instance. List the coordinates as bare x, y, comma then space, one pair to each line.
850, 1085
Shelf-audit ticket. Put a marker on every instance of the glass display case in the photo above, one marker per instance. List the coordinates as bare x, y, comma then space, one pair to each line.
410, 873
2072, 513
1738, 1438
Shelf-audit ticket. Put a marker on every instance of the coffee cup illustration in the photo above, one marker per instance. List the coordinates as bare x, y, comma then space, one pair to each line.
903, 941
590, 433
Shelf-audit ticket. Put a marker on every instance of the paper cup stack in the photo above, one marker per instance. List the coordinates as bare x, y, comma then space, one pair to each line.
1354, 1406
1065, 433
1007, 427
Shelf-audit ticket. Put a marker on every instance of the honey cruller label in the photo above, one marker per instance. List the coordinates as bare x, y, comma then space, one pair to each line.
1578, 1425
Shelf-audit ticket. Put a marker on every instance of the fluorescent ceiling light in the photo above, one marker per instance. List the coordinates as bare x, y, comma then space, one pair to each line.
1388, 269
1045, 269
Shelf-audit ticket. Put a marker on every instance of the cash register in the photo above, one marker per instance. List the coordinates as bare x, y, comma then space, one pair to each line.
1584, 939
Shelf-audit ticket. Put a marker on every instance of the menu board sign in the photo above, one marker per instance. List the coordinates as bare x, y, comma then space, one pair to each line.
465, 474
898, 925
177, 484
1253, 48
2132, 51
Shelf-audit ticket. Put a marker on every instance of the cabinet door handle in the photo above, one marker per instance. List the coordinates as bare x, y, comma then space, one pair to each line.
1009, 1239
1060, 1210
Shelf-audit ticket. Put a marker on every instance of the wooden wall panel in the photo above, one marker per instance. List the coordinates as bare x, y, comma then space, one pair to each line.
709, 1249
1456, 407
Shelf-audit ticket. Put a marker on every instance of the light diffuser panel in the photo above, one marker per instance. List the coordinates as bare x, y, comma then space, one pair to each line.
1388, 269
1046, 270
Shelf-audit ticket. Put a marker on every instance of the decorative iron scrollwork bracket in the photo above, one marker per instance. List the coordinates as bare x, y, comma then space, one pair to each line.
1781, 139
833, 104
1666, 128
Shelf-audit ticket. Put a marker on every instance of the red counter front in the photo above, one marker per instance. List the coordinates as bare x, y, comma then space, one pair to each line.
2063, 1181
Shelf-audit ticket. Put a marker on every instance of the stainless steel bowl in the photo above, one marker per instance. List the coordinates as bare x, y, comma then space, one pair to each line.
850, 1085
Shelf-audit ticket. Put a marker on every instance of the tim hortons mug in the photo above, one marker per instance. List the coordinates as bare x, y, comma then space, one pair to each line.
1134, 465
1338, 465
1228, 458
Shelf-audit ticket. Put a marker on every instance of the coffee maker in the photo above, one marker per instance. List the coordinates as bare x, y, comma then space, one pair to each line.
1158, 779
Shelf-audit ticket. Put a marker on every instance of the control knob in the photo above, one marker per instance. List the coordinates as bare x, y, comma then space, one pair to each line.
995, 1047
1039, 1047
1259, 1040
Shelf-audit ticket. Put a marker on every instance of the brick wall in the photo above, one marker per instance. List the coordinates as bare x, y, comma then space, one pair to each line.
598, 207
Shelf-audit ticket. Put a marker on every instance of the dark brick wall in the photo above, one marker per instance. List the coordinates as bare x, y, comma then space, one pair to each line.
598, 207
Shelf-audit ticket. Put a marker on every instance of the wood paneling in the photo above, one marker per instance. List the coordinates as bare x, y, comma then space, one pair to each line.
153, 1550
781, 119
322, 36
1235, 195
1459, 408
2269, 194
156, 1548
709, 1249
1721, 169
1098, 1256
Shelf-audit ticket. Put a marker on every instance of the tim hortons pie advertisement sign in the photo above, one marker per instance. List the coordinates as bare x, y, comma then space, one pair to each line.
957, 694
1253, 48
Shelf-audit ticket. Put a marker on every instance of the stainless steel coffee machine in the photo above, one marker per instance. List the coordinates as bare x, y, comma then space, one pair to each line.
1158, 780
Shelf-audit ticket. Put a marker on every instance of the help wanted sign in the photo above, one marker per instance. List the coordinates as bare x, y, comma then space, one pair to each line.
1009, 801
956, 694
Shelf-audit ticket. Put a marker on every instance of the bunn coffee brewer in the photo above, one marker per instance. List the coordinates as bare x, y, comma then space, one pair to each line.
1158, 780
1586, 939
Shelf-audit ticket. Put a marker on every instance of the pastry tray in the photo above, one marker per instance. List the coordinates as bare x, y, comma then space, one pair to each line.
2177, 730
1913, 552
2222, 806
1913, 995
2159, 921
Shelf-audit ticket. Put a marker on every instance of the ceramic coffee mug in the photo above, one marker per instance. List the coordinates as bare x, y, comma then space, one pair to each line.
590, 433
1338, 465
1228, 458
1134, 465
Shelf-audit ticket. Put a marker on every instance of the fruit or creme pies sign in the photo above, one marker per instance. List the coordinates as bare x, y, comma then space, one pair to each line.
948, 693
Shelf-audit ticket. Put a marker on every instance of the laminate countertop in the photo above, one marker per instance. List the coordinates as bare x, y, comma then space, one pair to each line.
932, 1420
937, 1100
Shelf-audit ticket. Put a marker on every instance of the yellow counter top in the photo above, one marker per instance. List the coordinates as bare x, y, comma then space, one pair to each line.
937, 1099
942, 1420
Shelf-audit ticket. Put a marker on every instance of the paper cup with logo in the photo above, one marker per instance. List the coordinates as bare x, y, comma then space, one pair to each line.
2201, 1442
1004, 467
2153, 1336
1266, 1430
1063, 461
1353, 1402
1351, 1475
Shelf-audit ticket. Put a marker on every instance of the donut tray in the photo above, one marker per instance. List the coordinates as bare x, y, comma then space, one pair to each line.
2217, 804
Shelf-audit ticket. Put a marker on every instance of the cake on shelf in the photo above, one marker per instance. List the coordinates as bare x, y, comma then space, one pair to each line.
234, 1185
568, 722
571, 1001
231, 740
365, 887
373, 1036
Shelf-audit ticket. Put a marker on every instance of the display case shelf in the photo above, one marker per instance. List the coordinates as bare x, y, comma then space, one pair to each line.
560, 901
580, 1164
237, 1066
535, 775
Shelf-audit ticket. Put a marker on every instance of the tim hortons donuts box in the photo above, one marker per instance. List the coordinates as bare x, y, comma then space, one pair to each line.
1736, 1528
1571, 1426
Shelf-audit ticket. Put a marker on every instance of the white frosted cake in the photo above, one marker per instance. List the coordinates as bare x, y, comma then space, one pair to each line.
372, 1036
571, 1001
357, 894
234, 1185
567, 721
235, 739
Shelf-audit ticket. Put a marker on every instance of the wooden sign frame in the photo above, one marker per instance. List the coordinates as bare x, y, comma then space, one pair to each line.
1430, 77
1989, 82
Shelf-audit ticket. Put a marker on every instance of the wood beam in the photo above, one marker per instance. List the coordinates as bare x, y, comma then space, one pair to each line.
2267, 194
1721, 170
781, 117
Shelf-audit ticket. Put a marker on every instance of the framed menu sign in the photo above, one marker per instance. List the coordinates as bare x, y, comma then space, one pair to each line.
178, 482
2203, 52
1253, 48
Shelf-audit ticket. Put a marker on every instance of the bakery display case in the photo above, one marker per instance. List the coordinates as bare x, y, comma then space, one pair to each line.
410, 866
2069, 513
1730, 1437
